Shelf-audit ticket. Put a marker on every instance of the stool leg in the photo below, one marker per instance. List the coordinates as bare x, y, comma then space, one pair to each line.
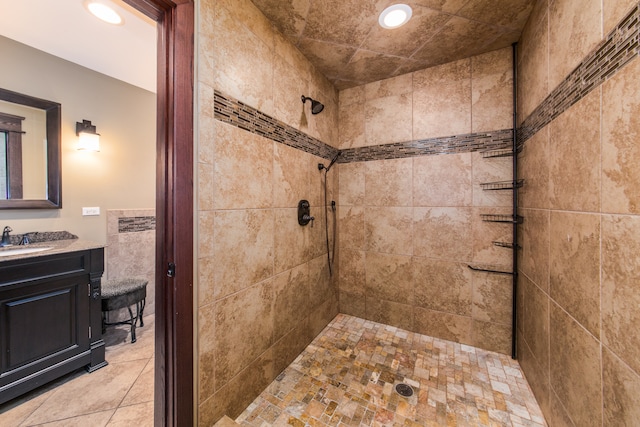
134, 320
142, 304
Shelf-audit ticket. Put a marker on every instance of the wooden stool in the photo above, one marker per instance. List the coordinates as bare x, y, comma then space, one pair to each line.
121, 293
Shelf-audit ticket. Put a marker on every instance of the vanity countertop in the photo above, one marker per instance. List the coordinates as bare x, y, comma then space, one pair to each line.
46, 248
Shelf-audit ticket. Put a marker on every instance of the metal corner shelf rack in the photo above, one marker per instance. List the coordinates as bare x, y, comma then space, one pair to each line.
514, 219
501, 152
511, 185
505, 245
502, 185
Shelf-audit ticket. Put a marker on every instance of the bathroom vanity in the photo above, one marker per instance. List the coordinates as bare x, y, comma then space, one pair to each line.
50, 313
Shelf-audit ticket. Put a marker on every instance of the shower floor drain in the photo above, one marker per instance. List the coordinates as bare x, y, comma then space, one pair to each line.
404, 390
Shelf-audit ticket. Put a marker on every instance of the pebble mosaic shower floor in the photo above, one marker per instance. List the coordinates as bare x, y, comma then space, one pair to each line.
347, 377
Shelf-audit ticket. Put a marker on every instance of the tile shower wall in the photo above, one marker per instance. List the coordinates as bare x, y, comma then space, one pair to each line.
409, 226
263, 291
130, 252
579, 344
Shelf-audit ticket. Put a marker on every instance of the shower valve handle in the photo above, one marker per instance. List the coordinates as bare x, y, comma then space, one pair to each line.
304, 213
308, 218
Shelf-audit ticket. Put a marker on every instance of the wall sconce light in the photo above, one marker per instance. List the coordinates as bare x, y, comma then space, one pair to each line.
88, 138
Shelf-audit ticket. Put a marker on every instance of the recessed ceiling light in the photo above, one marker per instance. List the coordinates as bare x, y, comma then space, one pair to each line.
102, 11
395, 16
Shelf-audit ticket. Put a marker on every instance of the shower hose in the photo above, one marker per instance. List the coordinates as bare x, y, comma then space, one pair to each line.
330, 255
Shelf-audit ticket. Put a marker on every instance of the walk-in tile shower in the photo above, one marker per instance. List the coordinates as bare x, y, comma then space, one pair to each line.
412, 210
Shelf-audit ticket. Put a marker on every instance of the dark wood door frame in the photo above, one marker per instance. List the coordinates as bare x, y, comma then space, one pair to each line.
174, 395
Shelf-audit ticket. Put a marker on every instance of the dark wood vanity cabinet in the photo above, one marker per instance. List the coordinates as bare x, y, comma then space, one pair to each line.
50, 319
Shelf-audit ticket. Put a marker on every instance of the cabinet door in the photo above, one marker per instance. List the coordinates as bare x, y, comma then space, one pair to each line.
43, 323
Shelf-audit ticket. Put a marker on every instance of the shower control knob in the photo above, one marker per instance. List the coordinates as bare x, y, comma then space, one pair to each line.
304, 213
308, 218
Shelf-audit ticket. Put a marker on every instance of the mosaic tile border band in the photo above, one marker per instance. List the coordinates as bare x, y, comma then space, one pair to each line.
238, 114
445, 145
620, 47
134, 224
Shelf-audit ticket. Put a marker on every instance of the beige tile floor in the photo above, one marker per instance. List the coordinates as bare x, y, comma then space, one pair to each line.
347, 377
120, 394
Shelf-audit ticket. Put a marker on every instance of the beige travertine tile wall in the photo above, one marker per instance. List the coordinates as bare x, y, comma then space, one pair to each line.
263, 286
579, 344
409, 227
470, 95
131, 254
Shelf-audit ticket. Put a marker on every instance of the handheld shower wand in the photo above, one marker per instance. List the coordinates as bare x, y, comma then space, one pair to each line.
321, 166
330, 256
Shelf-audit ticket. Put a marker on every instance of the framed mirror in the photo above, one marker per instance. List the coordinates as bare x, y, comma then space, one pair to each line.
30, 159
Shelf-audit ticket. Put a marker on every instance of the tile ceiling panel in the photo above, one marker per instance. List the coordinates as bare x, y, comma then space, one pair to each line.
343, 40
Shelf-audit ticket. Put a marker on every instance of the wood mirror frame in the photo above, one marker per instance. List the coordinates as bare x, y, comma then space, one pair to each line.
53, 111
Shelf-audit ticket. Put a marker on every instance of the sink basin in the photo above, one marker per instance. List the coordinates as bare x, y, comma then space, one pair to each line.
21, 251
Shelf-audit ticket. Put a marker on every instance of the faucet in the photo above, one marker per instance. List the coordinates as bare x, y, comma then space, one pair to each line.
6, 241
25, 238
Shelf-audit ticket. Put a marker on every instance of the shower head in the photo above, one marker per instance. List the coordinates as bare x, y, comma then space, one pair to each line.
316, 106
